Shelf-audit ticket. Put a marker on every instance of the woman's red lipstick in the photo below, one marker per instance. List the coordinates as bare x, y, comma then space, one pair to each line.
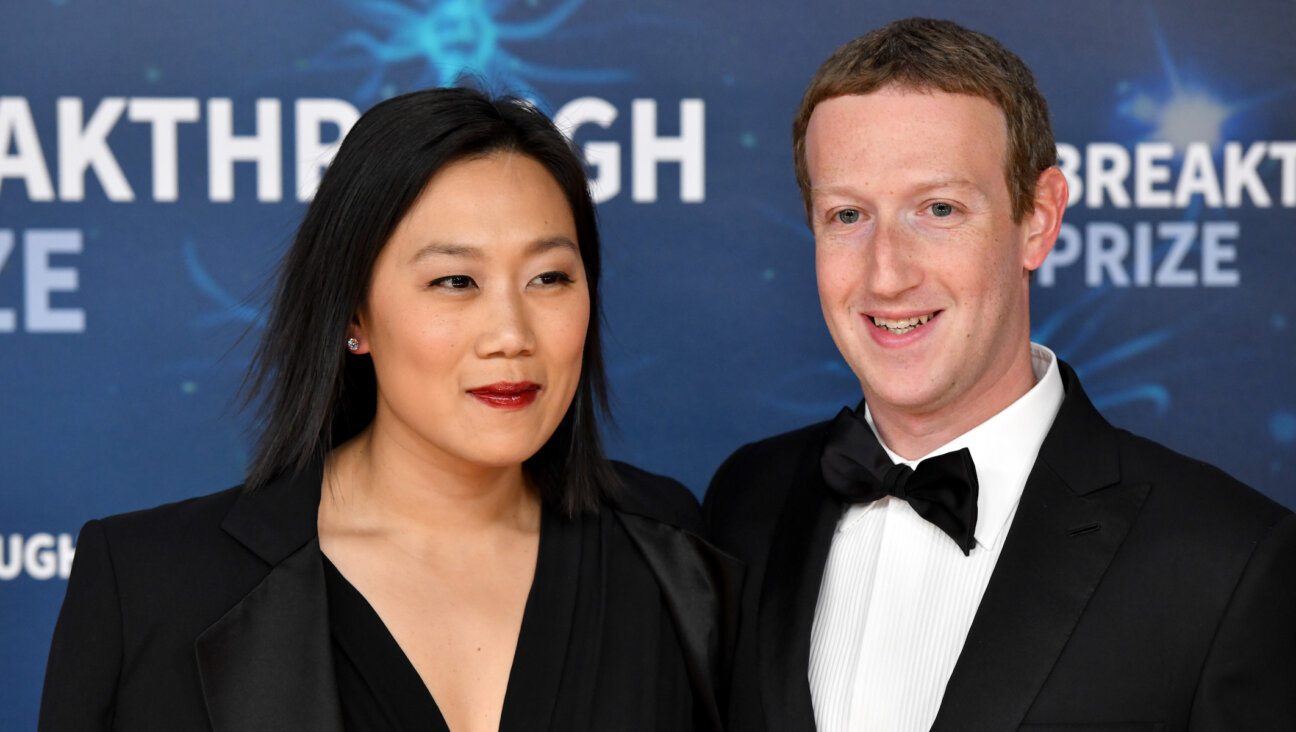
506, 394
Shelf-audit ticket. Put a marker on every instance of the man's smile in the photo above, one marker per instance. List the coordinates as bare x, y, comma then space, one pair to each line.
903, 325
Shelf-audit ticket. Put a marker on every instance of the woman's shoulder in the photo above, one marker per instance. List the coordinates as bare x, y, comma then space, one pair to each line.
175, 533
656, 497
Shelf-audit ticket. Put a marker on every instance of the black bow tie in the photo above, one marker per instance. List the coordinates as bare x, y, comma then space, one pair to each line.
943, 489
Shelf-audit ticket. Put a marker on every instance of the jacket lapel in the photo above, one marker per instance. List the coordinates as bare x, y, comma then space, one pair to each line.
267, 664
1073, 516
701, 587
798, 552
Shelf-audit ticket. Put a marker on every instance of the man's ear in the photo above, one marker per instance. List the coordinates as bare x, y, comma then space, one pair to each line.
1045, 221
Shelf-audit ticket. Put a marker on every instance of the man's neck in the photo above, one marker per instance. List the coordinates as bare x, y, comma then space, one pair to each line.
915, 433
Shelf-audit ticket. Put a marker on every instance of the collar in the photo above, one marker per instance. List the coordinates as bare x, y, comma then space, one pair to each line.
280, 518
1004, 447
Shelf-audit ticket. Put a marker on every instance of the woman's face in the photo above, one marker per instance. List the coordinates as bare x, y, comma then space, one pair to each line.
476, 316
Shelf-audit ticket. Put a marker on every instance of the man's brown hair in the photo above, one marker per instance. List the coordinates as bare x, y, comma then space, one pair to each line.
926, 55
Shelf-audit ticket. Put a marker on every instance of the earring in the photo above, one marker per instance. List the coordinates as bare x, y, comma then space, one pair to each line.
353, 344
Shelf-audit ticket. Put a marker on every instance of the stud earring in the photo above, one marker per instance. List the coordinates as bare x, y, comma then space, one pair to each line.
353, 344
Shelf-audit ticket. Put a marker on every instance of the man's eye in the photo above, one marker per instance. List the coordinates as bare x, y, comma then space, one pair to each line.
849, 216
941, 210
453, 282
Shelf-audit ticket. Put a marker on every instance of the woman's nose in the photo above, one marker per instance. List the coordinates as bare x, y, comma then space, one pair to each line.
506, 328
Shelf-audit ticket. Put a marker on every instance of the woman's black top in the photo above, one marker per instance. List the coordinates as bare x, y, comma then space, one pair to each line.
218, 613
597, 648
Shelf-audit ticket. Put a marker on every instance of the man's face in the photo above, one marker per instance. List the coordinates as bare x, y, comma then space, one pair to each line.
923, 276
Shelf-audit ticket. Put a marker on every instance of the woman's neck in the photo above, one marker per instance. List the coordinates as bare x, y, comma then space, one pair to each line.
376, 483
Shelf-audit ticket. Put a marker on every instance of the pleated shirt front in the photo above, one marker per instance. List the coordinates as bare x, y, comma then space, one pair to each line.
898, 596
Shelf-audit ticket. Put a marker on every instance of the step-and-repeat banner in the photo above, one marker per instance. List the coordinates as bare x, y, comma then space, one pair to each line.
155, 157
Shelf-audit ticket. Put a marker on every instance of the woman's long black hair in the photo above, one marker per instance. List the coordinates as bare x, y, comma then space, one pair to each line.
312, 394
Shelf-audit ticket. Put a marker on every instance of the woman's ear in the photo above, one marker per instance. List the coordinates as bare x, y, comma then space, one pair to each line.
357, 342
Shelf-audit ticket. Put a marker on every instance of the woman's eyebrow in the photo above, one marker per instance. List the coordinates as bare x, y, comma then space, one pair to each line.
446, 249
468, 251
540, 246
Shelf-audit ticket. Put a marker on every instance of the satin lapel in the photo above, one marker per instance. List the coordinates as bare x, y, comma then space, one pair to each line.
798, 552
701, 586
1073, 516
267, 664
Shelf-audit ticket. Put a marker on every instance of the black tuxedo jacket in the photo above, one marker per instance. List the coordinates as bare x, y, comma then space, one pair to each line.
1137, 589
212, 614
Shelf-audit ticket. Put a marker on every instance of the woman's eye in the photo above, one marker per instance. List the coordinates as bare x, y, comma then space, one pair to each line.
552, 278
941, 210
453, 282
849, 216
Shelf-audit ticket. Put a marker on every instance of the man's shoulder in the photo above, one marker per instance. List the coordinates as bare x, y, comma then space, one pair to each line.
1184, 491
781, 455
1186, 487
750, 487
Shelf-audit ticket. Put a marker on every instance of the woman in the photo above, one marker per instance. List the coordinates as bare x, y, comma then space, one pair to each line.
429, 536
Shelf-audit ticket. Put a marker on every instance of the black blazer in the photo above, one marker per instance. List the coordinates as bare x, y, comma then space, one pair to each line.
1137, 589
211, 613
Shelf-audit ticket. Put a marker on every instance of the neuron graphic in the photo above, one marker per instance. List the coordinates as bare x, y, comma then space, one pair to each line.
1178, 109
229, 309
447, 40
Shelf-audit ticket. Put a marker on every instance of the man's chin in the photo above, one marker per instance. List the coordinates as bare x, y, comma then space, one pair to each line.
902, 394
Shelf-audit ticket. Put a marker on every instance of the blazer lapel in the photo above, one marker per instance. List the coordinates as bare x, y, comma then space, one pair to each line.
798, 552
1073, 516
267, 664
701, 586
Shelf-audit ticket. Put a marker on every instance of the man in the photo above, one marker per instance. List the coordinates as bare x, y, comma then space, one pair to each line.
1048, 571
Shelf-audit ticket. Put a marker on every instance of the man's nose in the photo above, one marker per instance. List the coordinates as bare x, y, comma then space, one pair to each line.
892, 259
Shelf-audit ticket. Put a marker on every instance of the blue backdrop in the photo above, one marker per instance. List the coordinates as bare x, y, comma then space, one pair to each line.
153, 155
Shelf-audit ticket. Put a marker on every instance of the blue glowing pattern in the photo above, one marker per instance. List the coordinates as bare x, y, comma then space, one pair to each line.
1179, 108
1283, 428
444, 41
815, 391
1084, 318
229, 309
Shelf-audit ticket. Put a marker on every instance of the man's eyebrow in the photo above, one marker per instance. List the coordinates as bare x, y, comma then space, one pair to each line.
967, 190
831, 189
933, 184
947, 183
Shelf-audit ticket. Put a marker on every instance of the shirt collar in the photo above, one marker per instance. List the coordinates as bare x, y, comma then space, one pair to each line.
1004, 447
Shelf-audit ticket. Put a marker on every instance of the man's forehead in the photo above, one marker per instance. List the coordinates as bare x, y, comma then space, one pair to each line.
932, 184
924, 97
923, 131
